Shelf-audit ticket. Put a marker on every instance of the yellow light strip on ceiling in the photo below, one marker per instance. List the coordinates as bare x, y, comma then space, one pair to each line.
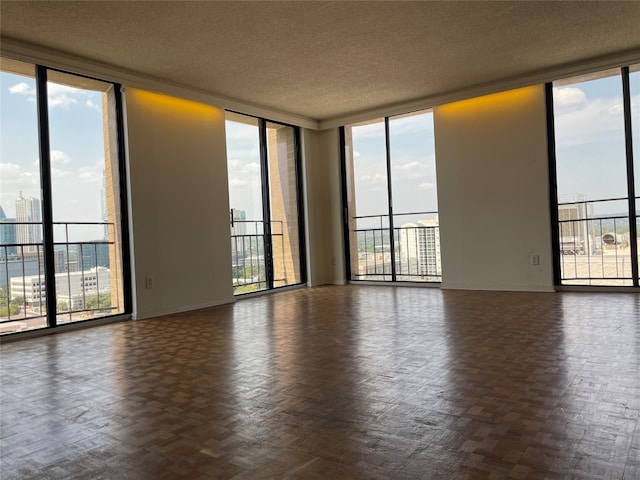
178, 105
495, 100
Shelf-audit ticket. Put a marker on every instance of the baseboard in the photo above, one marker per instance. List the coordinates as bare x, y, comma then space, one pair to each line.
498, 288
180, 309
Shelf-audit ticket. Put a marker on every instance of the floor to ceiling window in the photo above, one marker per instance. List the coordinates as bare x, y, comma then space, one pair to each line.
391, 199
596, 135
61, 216
264, 196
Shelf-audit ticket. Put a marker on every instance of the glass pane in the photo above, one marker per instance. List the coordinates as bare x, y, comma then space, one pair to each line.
283, 195
245, 199
415, 202
367, 197
592, 181
85, 197
22, 278
634, 83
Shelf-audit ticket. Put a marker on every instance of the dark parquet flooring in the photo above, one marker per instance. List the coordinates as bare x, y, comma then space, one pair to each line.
335, 383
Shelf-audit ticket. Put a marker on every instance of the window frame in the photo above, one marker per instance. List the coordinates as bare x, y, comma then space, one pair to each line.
46, 185
266, 204
631, 198
390, 214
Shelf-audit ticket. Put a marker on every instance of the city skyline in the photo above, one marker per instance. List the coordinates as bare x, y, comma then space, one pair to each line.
77, 149
587, 114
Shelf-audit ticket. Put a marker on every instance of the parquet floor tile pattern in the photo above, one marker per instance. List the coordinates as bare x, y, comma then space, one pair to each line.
335, 382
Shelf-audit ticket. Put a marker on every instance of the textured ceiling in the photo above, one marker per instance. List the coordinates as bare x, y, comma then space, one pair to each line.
325, 60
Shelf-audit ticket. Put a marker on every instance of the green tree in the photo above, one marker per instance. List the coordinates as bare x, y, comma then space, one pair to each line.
246, 288
100, 302
18, 300
7, 306
12, 309
3, 295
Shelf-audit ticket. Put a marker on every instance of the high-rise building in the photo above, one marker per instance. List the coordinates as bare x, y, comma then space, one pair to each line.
28, 212
573, 215
239, 226
420, 249
73, 288
8, 235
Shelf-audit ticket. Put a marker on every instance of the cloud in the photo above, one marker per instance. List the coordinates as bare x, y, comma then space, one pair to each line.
426, 185
62, 95
375, 129
379, 178
356, 154
58, 157
617, 109
238, 182
9, 171
58, 95
93, 106
411, 165
596, 121
253, 167
23, 88
14, 180
376, 178
57, 173
568, 97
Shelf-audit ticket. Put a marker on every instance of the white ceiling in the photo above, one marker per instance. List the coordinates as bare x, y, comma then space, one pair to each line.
325, 60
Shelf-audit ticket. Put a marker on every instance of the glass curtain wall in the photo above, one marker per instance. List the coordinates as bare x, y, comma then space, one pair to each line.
264, 196
61, 249
594, 130
634, 100
391, 196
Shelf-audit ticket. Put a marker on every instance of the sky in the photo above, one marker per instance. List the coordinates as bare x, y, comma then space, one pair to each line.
413, 170
590, 148
77, 149
243, 163
589, 139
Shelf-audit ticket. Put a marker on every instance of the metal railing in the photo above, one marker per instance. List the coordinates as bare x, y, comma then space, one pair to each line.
416, 248
248, 256
595, 249
82, 276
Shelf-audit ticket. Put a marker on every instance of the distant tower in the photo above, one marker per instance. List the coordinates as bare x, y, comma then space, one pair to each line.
238, 232
420, 248
7, 235
28, 211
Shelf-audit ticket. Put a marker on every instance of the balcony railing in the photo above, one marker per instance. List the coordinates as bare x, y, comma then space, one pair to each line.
595, 249
248, 254
82, 276
416, 248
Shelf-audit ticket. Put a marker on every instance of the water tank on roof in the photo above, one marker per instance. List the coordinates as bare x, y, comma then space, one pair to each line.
613, 239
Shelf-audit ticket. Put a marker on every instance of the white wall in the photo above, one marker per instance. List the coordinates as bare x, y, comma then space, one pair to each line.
179, 204
325, 243
493, 194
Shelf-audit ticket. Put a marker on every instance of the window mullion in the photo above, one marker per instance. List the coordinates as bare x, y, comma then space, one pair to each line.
266, 204
45, 185
553, 184
633, 230
392, 247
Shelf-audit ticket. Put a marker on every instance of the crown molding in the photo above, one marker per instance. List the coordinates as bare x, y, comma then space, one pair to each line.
27, 52
628, 57
18, 50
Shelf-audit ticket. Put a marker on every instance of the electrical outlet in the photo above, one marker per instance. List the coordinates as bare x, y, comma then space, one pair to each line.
148, 282
535, 259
